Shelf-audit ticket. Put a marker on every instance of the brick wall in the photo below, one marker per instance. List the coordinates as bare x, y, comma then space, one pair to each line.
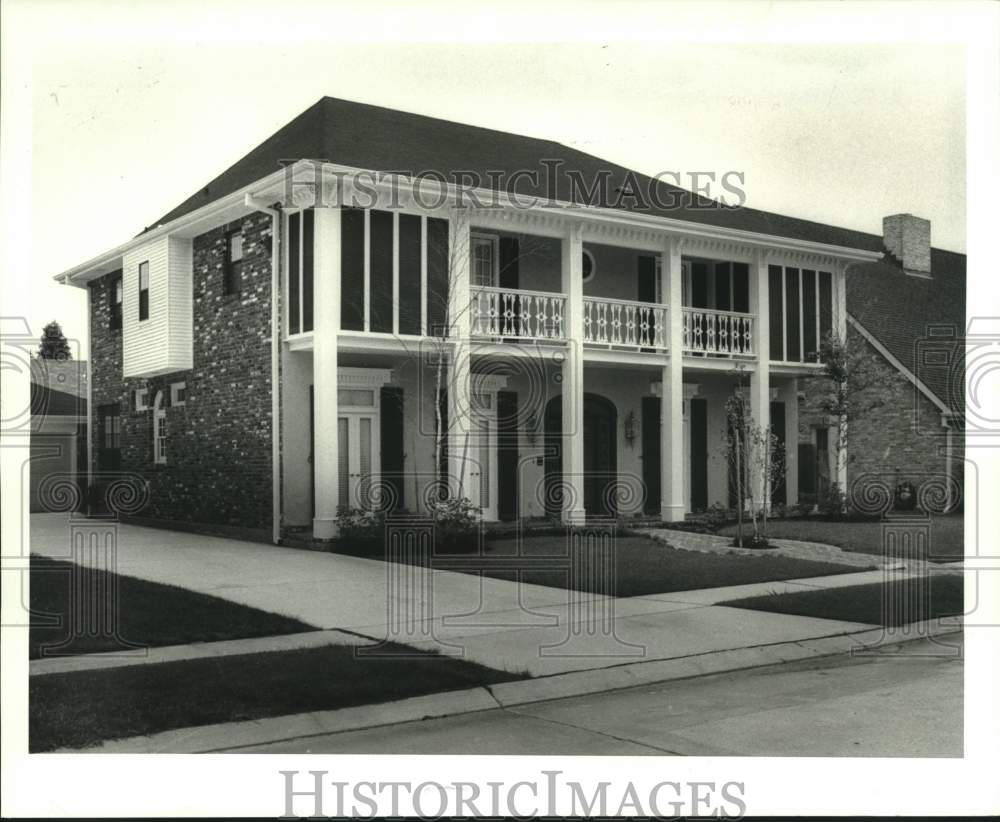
898, 429
218, 468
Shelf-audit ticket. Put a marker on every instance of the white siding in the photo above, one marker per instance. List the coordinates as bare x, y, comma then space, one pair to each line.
162, 343
180, 262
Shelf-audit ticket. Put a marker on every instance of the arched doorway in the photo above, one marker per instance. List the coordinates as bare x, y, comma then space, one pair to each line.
600, 455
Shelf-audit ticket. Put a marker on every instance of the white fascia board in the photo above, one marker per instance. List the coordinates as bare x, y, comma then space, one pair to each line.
196, 222
205, 217
428, 187
895, 363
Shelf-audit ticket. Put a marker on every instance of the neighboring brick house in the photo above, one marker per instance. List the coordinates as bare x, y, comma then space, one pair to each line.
907, 318
266, 353
58, 434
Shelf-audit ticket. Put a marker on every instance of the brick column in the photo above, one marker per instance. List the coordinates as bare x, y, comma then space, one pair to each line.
572, 379
326, 324
672, 503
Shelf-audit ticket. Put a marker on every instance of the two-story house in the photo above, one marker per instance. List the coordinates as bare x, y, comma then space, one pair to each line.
302, 334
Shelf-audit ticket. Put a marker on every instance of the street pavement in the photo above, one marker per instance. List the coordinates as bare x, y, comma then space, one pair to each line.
903, 704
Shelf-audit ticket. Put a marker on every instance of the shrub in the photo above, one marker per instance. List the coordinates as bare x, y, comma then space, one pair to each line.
361, 525
456, 524
832, 503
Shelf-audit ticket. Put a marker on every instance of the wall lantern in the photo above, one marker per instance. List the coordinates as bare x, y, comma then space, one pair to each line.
630, 428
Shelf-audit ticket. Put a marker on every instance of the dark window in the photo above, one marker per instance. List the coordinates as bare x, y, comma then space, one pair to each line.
144, 291
825, 306
794, 352
409, 274
722, 287
232, 274
741, 287
437, 275
810, 343
775, 306
308, 228
109, 433
380, 257
294, 320
352, 269
115, 294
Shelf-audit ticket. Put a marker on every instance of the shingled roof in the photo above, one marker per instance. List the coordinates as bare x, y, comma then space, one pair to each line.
897, 308
909, 314
381, 139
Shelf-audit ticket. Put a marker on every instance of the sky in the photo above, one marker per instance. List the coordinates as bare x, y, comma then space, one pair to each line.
133, 107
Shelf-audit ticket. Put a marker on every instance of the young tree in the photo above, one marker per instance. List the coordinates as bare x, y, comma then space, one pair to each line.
849, 373
53, 344
757, 464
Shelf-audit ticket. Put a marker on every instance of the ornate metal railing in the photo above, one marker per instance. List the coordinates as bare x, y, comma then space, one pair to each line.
624, 323
718, 333
517, 314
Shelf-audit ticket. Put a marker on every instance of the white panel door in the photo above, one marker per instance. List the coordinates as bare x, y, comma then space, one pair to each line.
358, 461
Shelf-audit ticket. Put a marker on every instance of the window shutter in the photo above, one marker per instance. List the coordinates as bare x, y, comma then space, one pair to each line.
510, 252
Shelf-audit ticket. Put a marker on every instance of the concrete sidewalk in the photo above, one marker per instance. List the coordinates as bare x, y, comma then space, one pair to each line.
506, 625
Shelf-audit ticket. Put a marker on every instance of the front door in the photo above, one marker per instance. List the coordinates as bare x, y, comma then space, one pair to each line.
600, 456
356, 444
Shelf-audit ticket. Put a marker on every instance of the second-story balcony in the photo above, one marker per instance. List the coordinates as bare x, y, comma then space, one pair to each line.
712, 332
517, 314
520, 315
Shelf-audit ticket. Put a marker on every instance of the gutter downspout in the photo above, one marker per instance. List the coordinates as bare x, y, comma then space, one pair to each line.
252, 202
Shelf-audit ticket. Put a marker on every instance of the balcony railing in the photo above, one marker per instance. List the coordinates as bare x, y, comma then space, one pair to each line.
509, 313
718, 333
624, 323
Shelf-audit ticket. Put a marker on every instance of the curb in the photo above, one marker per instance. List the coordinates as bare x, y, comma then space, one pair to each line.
231, 736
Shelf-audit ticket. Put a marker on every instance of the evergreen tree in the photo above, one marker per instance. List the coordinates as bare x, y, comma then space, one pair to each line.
53, 345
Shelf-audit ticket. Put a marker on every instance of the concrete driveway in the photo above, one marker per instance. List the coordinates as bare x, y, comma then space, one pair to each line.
502, 624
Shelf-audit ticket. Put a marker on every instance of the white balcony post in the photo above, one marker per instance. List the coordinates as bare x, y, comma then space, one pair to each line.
574, 512
326, 324
760, 378
672, 390
460, 450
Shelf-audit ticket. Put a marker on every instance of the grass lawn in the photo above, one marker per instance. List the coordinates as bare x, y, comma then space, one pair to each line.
645, 566
147, 613
866, 537
83, 708
906, 599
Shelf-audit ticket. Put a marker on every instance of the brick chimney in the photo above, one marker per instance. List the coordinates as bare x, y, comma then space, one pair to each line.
908, 239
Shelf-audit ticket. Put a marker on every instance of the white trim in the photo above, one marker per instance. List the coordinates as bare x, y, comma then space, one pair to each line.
367, 275
159, 419
864, 332
228, 207
423, 275
141, 404
175, 389
802, 330
395, 272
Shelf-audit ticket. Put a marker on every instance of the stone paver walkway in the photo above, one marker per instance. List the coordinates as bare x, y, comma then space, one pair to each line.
798, 549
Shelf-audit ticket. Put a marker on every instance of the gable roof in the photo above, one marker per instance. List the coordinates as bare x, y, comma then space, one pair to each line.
909, 314
382, 139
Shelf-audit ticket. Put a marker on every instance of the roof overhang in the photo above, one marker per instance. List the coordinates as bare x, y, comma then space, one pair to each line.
303, 173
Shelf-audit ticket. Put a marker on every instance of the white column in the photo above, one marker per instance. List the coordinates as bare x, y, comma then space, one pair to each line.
326, 324
572, 379
460, 444
760, 378
672, 505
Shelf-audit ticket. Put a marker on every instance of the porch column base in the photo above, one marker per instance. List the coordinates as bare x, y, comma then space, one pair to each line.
672, 513
577, 516
324, 529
